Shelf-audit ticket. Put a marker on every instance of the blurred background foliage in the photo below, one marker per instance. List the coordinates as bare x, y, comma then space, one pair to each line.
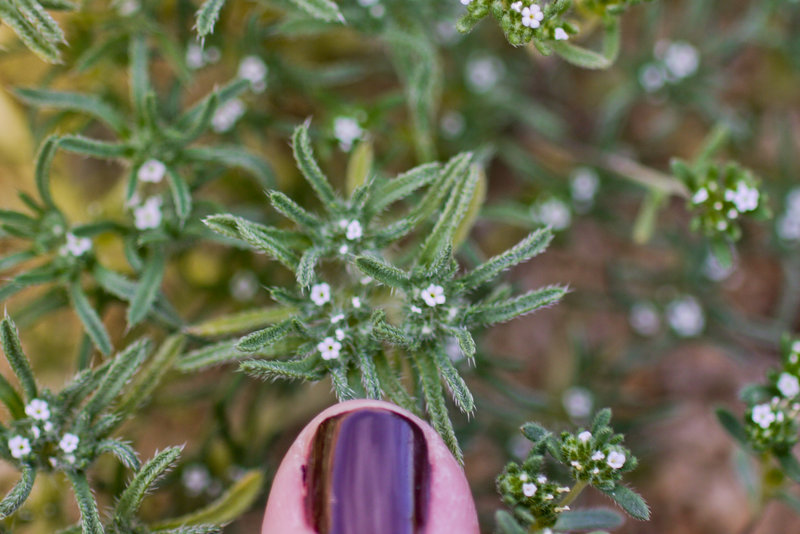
655, 325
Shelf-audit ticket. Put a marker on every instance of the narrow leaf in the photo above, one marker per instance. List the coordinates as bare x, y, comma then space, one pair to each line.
303, 154
486, 314
241, 321
124, 365
122, 451
19, 493
89, 104
382, 271
733, 426
526, 249
458, 388
148, 286
181, 196
630, 501
589, 519
145, 480
90, 517
435, 403
207, 17
263, 338
403, 185
303, 369
16, 358
146, 382
320, 9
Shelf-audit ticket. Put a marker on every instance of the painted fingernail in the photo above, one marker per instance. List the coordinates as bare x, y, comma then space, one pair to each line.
369, 467
368, 472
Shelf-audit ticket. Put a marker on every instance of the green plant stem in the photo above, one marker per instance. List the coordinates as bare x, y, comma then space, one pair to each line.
573, 494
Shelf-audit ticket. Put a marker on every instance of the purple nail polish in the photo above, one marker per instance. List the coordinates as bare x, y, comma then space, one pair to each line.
368, 473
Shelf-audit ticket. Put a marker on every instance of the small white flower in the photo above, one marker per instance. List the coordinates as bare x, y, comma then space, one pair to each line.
336, 318
356, 302
583, 185
69, 442
743, 197
714, 270
517, 6
523, 477
38, 409
151, 171
577, 402
584, 436
127, 7
577, 465
681, 60
532, 16
788, 227
644, 319
788, 385
339, 334
19, 446
763, 415
560, 34
320, 293
483, 73
75, 246
347, 131
554, 213
148, 215
433, 295
541, 479
254, 70
466, 2
416, 309
329, 348
652, 77
354, 230
196, 479
426, 330
70, 458
213, 54
48, 427
700, 196
686, 317
195, 58
244, 286
598, 455
452, 124
529, 489
722, 225
227, 115
344, 249
377, 11
36, 432
616, 459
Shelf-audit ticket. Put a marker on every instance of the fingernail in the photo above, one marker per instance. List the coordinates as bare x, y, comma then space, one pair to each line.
369, 467
368, 472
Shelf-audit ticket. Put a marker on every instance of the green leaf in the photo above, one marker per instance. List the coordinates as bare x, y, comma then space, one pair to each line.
473, 208
125, 289
290, 209
304, 156
382, 271
589, 59
33, 39
303, 369
458, 388
369, 374
523, 251
232, 504
90, 517
89, 104
507, 524
143, 481
630, 501
16, 357
41, 20
12, 400
122, 451
403, 185
147, 288
207, 17
139, 76
210, 355
435, 403
181, 196
12, 260
589, 519
790, 465
305, 269
234, 156
534, 432
241, 321
733, 426
498, 312
465, 341
44, 160
359, 166
383, 331
256, 235
391, 385
439, 189
146, 382
19, 493
122, 368
263, 338
325, 10
93, 147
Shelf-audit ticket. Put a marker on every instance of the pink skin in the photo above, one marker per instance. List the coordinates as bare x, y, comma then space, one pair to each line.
451, 506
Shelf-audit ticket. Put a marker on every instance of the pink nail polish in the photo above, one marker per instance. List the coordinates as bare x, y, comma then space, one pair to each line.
369, 467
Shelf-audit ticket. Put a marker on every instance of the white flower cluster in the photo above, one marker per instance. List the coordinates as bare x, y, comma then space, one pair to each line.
227, 115
788, 225
197, 57
75, 246
352, 229
764, 415
675, 61
254, 70
744, 198
376, 9
686, 316
347, 131
39, 411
